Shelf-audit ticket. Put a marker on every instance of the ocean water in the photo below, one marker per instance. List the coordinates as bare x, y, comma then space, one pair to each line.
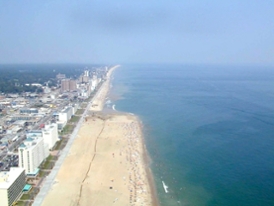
208, 130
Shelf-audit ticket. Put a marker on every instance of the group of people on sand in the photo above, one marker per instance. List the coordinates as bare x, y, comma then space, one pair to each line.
138, 185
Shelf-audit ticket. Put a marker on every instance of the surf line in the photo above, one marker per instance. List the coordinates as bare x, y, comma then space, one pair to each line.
165, 186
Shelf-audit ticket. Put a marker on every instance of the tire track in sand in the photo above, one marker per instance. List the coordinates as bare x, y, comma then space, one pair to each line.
83, 181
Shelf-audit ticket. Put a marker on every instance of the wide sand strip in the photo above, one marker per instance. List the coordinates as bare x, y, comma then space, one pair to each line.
105, 165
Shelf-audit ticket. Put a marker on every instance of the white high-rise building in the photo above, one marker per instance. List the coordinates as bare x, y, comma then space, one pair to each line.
50, 135
32, 152
11, 185
86, 73
94, 81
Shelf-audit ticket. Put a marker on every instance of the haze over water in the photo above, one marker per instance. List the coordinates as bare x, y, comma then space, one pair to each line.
208, 130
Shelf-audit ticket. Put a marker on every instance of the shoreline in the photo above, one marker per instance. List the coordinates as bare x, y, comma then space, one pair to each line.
102, 181
145, 157
147, 161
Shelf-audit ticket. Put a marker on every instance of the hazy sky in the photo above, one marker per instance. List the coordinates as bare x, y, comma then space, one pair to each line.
144, 31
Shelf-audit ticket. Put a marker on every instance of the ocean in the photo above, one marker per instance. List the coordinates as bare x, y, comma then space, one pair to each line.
209, 130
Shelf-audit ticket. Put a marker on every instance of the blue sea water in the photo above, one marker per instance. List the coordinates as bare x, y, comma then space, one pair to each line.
208, 130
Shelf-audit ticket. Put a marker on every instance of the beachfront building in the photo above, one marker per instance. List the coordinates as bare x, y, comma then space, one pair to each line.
65, 114
84, 88
50, 135
32, 153
63, 117
60, 125
94, 81
11, 185
84, 92
74, 108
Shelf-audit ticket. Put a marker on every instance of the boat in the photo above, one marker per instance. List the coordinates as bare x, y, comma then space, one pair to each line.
165, 186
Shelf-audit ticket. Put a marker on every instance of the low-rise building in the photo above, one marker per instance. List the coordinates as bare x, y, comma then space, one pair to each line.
28, 111
14, 129
60, 76
22, 117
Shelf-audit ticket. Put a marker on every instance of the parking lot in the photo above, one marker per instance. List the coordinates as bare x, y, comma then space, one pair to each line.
11, 160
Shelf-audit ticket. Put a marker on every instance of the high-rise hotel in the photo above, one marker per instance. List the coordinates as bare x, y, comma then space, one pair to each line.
11, 185
35, 149
31, 154
68, 85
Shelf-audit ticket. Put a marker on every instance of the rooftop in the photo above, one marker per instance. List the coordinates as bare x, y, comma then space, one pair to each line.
34, 131
29, 139
7, 178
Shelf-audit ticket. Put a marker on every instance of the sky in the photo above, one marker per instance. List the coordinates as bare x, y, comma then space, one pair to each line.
144, 31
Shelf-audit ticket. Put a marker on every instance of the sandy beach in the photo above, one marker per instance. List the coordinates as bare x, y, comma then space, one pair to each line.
106, 162
99, 99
